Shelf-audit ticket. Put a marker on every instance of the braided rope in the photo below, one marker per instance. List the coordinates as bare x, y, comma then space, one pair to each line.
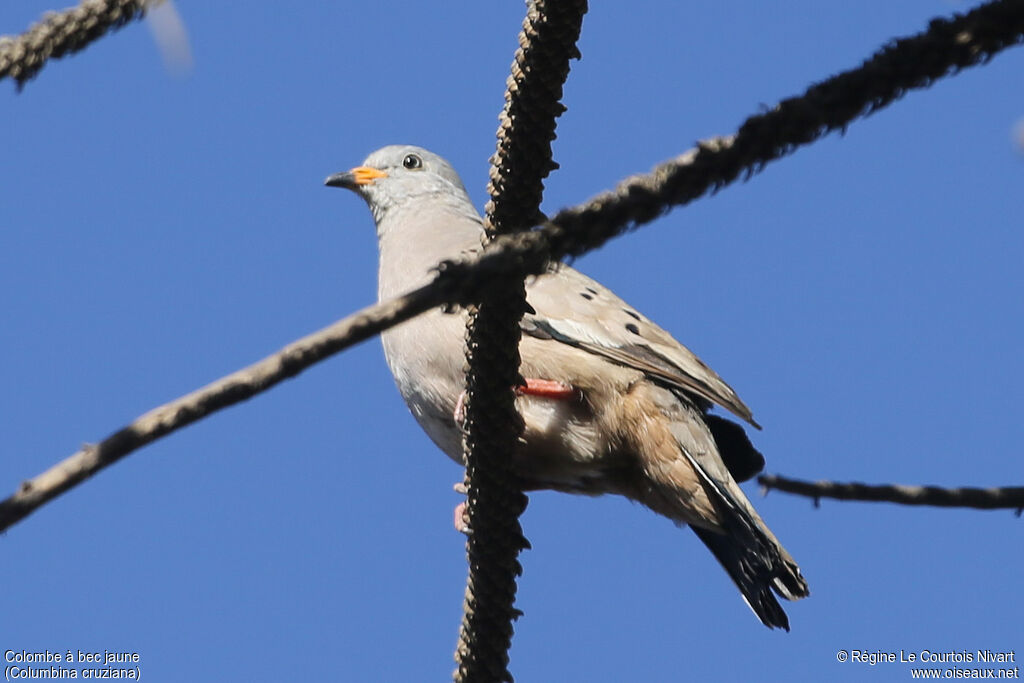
1011, 497
493, 426
62, 33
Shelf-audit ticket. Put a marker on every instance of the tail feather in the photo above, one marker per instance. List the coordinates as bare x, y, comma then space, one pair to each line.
690, 477
749, 552
754, 577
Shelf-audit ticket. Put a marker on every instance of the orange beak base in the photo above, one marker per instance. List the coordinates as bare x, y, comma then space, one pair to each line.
361, 175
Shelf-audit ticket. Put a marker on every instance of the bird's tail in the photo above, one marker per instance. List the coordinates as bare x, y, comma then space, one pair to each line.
758, 575
748, 550
720, 513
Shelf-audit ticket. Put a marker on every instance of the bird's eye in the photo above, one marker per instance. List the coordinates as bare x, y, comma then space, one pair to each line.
412, 161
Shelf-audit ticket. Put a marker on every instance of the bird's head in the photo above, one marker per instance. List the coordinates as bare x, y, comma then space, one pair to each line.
397, 174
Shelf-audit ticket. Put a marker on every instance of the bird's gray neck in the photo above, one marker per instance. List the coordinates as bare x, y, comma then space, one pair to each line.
429, 234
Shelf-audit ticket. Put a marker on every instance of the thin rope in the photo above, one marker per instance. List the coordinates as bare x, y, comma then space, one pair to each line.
1011, 497
63, 33
493, 425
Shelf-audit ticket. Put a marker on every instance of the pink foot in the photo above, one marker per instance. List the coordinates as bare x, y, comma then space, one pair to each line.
460, 410
461, 521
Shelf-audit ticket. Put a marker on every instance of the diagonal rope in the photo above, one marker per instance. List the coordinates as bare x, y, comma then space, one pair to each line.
62, 33
493, 426
227, 391
915, 62
1011, 497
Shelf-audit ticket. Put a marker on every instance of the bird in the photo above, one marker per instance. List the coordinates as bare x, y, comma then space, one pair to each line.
611, 402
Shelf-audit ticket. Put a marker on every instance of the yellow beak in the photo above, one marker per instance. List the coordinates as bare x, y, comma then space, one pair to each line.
365, 175
361, 175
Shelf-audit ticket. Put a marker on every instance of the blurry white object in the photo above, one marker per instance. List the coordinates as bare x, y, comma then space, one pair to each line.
170, 36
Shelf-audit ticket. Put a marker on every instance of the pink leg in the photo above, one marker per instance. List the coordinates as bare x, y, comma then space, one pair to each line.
545, 388
548, 388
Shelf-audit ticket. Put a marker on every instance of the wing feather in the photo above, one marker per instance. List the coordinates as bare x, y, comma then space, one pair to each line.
573, 309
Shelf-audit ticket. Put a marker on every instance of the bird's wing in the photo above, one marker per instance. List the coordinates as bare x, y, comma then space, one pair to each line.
573, 309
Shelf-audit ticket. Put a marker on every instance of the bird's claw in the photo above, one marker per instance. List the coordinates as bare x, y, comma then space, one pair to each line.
459, 414
462, 519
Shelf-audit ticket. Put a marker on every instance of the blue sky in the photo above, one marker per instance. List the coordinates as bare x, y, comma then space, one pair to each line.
862, 296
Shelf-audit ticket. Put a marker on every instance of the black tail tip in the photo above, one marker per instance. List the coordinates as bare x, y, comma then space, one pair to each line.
767, 608
758, 578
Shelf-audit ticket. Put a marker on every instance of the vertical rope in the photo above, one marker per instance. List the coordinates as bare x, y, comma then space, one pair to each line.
493, 426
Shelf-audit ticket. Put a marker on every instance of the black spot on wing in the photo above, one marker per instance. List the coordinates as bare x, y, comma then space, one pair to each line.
632, 314
588, 297
633, 328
